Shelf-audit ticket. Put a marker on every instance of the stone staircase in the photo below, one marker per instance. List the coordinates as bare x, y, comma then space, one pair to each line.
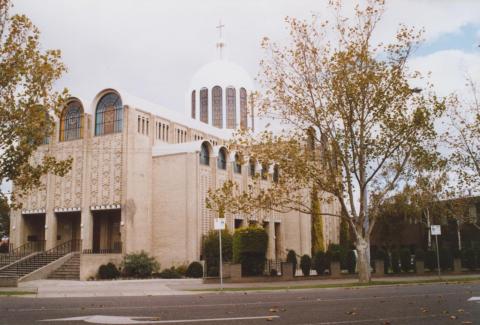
68, 271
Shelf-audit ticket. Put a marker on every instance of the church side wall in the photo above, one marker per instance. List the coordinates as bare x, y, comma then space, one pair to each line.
174, 211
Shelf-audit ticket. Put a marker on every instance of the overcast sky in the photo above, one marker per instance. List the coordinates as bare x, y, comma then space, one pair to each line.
153, 48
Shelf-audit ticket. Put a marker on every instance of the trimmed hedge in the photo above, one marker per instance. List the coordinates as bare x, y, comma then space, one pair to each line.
211, 250
171, 273
292, 259
139, 265
249, 249
108, 272
320, 262
431, 260
351, 262
405, 259
305, 264
194, 270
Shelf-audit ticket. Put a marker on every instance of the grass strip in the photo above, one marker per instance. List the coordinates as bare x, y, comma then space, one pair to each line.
346, 285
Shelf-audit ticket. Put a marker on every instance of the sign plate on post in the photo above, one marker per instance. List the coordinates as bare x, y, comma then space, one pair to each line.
436, 230
219, 224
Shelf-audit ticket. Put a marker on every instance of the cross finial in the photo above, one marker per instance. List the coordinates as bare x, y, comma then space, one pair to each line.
220, 43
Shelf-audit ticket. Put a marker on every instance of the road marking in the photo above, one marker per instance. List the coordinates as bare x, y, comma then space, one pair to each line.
101, 319
477, 299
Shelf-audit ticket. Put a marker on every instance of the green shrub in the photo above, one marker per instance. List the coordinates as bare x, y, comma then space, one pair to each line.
469, 259
351, 261
431, 260
139, 265
305, 264
320, 262
108, 272
446, 258
405, 259
249, 249
182, 269
211, 250
171, 273
292, 259
419, 255
194, 270
337, 253
395, 261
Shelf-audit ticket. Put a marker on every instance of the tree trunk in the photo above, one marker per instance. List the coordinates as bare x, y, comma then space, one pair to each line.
363, 265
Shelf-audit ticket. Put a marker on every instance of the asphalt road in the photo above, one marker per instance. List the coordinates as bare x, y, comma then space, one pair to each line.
417, 304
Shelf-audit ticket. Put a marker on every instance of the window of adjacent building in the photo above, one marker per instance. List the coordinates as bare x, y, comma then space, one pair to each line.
231, 108
237, 164
243, 109
222, 159
71, 122
264, 172
193, 104
109, 115
204, 105
217, 115
275, 173
204, 155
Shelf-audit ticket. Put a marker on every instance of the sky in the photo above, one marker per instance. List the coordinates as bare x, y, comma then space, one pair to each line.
153, 48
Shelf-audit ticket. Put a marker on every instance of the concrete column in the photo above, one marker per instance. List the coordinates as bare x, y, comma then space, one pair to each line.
50, 230
86, 231
271, 240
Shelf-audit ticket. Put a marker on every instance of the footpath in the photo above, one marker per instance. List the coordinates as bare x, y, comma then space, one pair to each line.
160, 287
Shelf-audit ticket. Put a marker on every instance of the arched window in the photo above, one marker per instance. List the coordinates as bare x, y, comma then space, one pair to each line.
71, 122
231, 108
204, 154
222, 159
243, 109
204, 105
275, 173
217, 107
237, 164
251, 169
193, 104
109, 115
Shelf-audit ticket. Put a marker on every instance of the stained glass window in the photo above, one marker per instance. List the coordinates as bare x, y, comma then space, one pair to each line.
71, 122
109, 115
217, 107
222, 159
231, 108
193, 104
204, 105
243, 108
204, 155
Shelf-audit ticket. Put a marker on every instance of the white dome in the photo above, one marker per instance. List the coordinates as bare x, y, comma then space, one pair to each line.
221, 73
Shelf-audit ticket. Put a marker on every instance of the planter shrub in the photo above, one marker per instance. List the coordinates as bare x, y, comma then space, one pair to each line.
306, 264
351, 261
211, 250
382, 255
139, 265
170, 273
249, 248
320, 262
194, 270
337, 253
108, 272
292, 259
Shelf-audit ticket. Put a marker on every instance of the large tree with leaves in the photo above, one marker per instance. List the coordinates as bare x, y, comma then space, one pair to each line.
28, 103
370, 130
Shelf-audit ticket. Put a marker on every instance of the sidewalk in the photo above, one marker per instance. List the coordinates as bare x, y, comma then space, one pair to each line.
160, 287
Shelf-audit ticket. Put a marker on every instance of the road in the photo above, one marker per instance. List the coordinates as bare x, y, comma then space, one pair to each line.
415, 304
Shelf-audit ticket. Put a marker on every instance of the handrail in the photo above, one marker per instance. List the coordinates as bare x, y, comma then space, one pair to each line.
57, 251
22, 251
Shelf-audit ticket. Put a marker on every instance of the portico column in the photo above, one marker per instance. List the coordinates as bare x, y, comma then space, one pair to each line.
271, 240
86, 229
50, 229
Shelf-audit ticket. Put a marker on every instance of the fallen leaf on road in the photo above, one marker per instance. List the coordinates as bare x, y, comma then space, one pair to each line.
467, 322
453, 317
273, 310
386, 322
460, 310
269, 319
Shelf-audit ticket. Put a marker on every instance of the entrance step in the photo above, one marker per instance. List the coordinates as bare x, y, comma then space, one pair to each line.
68, 271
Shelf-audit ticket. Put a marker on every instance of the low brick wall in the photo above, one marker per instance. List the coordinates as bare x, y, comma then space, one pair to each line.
89, 263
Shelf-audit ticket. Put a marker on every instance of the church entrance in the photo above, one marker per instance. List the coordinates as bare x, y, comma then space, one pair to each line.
68, 229
106, 232
34, 231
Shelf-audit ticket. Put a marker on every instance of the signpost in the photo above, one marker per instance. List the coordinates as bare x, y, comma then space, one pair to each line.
436, 230
219, 224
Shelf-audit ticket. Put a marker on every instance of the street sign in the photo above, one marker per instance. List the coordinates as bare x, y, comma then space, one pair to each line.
436, 230
219, 224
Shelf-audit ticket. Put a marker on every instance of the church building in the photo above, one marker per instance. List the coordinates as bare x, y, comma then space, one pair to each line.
141, 172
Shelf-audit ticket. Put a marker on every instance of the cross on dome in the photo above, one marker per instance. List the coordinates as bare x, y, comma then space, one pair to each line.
221, 42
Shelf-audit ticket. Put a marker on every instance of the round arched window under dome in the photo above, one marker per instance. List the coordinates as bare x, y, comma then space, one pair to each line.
109, 114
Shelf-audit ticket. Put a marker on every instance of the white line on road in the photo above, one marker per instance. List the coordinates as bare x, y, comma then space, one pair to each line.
100, 319
474, 299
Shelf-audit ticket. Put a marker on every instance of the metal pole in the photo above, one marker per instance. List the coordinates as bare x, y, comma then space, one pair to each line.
220, 271
438, 256
459, 236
